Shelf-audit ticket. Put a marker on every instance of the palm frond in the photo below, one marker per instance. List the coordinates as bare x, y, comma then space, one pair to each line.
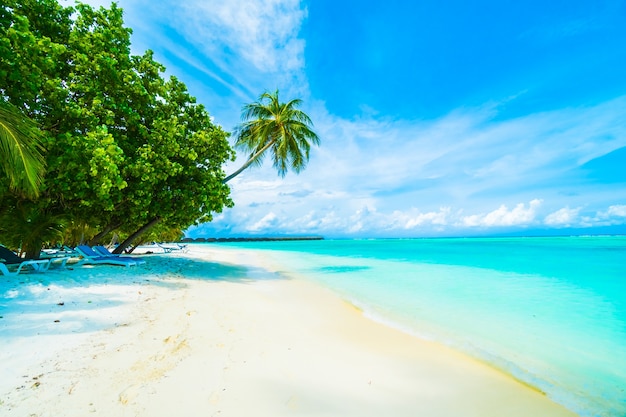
27, 226
279, 128
20, 150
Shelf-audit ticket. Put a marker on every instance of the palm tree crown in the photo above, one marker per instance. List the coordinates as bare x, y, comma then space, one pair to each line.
20, 150
281, 128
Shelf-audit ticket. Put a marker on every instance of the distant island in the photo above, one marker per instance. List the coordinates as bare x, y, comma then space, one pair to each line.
249, 239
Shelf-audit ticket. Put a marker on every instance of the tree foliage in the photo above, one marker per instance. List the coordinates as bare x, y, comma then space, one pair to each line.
280, 129
20, 151
27, 227
123, 145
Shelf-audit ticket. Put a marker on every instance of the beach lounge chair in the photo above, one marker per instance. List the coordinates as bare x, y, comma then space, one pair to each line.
89, 256
103, 251
147, 249
59, 261
170, 247
63, 252
58, 257
5, 271
13, 264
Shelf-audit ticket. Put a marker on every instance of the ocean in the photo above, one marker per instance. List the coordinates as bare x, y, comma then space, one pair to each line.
549, 311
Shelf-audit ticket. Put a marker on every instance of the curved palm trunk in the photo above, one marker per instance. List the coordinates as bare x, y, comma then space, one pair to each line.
33, 251
248, 162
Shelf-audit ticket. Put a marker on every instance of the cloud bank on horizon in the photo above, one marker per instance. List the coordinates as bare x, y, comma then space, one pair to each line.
435, 119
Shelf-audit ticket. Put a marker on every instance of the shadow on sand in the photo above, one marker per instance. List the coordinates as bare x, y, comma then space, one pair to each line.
84, 298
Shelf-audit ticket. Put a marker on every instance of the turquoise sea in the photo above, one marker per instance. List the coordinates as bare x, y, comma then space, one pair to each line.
549, 311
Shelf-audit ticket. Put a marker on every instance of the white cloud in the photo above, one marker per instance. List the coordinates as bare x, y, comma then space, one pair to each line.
368, 221
462, 173
412, 221
404, 172
267, 223
363, 220
617, 211
316, 222
563, 217
613, 215
373, 173
518, 216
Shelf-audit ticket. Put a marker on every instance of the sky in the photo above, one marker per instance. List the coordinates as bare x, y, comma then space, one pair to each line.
436, 118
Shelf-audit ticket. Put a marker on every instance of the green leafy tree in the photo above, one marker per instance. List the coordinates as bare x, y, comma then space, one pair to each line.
123, 145
278, 128
178, 174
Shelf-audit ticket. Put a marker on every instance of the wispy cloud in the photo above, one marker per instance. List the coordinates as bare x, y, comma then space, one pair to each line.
464, 171
471, 169
258, 41
227, 52
263, 33
467, 153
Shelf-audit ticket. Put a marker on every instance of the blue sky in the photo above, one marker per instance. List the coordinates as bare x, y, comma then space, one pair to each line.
446, 118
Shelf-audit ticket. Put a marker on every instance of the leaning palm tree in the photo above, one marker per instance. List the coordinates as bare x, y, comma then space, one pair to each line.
278, 127
20, 150
267, 124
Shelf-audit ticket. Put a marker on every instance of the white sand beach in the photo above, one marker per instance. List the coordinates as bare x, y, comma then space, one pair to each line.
218, 332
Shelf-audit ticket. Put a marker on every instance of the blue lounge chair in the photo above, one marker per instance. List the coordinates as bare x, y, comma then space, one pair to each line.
11, 264
89, 256
5, 271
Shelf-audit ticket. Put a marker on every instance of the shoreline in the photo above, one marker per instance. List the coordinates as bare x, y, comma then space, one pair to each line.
250, 239
220, 332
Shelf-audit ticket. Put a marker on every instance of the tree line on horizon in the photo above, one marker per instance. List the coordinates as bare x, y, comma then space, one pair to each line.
96, 143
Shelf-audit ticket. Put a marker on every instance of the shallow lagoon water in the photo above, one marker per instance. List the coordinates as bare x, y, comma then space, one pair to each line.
549, 311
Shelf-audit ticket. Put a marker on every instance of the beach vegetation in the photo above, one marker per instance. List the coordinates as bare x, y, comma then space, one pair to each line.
26, 227
97, 145
268, 126
123, 145
21, 158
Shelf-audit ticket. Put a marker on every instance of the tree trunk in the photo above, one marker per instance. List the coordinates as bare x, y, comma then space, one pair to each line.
135, 246
34, 251
143, 229
129, 240
108, 229
248, 162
